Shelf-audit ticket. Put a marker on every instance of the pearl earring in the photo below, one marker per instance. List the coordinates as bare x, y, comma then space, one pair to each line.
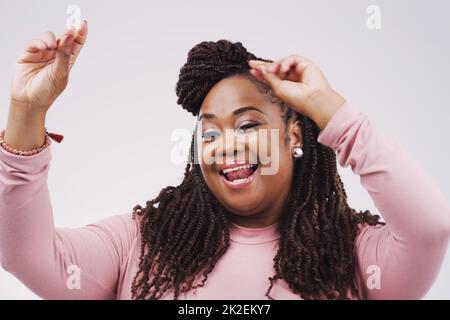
297, 152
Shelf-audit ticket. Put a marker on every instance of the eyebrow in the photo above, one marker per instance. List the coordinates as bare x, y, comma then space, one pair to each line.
235, 112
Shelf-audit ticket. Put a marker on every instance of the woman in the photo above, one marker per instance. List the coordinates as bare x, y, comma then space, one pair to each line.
228, 231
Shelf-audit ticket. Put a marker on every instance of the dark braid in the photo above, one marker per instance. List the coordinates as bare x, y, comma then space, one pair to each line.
209, 62
185, 230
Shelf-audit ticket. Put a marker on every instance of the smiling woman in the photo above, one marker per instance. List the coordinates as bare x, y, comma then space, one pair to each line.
229, 230
318, 229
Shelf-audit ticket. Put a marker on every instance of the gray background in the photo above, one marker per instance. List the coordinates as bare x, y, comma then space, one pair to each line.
119, 110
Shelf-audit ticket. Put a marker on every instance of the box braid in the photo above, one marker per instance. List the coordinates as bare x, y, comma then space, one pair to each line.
185, 230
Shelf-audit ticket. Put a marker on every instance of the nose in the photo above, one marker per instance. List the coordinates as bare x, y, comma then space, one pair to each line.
230, 149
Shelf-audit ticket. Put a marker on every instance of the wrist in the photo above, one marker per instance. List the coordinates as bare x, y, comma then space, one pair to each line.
324, 104
25, 128
26, 109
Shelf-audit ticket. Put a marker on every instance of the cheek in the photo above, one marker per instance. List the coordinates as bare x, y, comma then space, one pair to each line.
206, 154
207, 170
273, 151
212, 181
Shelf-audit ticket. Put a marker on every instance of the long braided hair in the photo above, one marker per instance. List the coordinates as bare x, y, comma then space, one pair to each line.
185, 230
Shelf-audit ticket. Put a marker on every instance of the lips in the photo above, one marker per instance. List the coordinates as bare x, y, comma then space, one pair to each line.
239, 172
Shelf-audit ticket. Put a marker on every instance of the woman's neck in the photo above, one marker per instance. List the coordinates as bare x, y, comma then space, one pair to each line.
254, 221
261, 219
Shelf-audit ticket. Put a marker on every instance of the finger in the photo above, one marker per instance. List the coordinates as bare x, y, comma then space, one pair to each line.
63, 55
300, 59
293, 66
300, 67
301, 64
285, 66
287, 69
37, 56
255, 63
80, 38
36, 45
257, 74
50, 40
293, 75
287, 63
279, 67
272, 79
36, 51
273, 67
297, 58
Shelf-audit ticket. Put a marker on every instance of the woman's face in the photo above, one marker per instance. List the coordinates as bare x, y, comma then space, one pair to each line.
245, 149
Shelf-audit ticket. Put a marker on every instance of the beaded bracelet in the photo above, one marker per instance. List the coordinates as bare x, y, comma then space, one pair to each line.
48, 135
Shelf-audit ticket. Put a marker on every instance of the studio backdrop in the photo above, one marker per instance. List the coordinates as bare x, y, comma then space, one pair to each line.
125, 135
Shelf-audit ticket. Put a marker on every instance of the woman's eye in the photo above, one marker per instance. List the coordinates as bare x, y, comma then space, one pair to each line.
247, 126
210, 135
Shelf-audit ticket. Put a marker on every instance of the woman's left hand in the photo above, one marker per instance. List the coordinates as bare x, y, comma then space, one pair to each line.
302, 85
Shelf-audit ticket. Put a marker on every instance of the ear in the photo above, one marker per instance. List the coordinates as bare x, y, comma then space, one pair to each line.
295, 134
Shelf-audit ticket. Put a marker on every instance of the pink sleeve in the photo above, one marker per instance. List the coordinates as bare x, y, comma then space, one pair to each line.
408, 251
48, 260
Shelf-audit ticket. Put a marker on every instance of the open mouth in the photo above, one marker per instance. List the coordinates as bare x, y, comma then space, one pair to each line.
240, 176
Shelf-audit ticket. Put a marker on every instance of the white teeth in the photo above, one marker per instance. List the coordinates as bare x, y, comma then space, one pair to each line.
237, 168
238, 181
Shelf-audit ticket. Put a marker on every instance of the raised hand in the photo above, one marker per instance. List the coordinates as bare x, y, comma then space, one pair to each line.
301, 84
40, 75
41, 72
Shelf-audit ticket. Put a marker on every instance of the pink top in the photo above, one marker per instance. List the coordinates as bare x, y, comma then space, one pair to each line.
406, 253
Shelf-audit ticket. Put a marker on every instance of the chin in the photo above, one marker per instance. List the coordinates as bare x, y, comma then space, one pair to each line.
244, 205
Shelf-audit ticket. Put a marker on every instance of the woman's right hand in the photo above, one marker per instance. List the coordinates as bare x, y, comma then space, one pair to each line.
41, 72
